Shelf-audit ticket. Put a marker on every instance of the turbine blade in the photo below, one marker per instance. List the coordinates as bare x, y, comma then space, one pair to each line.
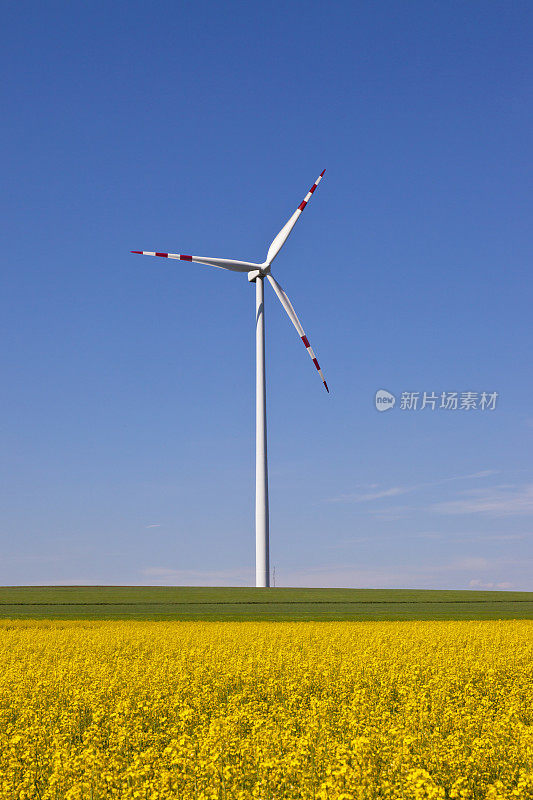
283, 235
222, 263
287, 305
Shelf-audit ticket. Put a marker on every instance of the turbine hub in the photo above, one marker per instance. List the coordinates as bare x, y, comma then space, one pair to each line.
263, 270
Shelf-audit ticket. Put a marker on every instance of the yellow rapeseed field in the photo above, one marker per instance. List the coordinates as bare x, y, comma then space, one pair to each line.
323, 710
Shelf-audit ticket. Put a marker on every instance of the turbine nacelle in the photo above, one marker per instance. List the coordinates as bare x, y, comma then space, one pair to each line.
259, 273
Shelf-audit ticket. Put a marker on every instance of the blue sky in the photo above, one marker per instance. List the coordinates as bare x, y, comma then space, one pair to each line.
128, 382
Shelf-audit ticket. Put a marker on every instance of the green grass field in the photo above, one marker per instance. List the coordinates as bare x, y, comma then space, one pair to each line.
221, 603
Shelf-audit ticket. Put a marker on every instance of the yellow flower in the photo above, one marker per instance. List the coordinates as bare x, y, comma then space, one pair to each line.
325, 710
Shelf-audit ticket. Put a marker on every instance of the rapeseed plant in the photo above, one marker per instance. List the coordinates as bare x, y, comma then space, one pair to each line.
311, 710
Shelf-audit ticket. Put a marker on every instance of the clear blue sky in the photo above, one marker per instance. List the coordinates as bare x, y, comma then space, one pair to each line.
127, 406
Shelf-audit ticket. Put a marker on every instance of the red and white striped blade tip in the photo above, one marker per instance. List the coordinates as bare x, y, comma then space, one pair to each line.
314, 359
177, 256
310, 192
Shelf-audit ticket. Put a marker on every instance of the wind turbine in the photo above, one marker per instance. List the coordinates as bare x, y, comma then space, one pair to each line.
257, 273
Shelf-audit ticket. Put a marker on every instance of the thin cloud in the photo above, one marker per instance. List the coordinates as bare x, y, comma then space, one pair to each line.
363, 498
456, 573
477, 583
451, 536
154, 525
391, 513
500, 501
394, 491
491, 537
197, 577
